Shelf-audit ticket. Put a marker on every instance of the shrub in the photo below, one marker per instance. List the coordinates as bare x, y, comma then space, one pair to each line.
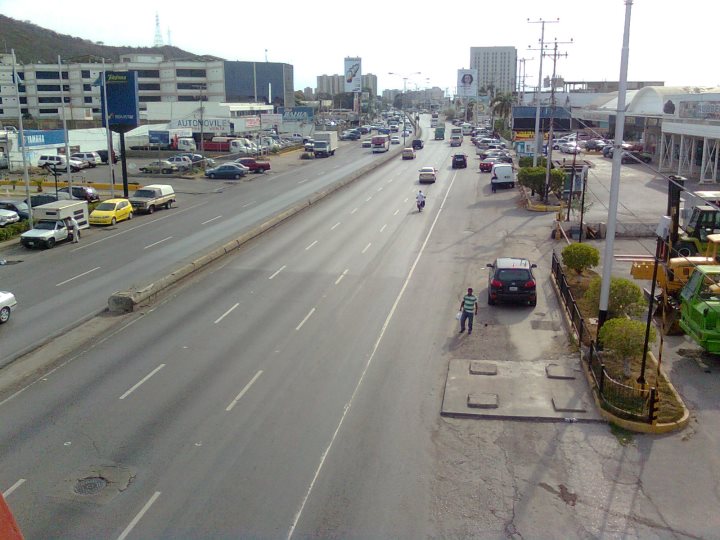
15, 229
534, 178
580, 257
625, 299
527, 161
625, 339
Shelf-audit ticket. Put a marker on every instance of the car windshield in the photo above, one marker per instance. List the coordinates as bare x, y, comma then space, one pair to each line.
147, 193
45, 225
105, 206
513, 274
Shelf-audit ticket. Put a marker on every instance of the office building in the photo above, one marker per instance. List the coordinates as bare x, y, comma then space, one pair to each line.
496, 68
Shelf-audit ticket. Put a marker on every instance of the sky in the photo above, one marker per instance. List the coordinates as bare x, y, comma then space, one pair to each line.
670, 40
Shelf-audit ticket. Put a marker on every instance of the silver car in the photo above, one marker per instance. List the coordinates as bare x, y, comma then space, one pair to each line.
7, 305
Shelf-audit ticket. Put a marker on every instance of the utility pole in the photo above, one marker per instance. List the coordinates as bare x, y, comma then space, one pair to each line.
521, 78
538, 139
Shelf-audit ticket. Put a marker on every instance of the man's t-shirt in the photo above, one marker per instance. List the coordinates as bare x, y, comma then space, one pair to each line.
469, 301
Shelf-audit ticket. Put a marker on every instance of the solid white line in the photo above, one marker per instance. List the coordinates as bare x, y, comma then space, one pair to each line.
368, 199
366, 247
226, 313
380, 188
251, 202
139, 516
396, 212
158, 242
334, 226
242, 392
338, 280
209, 220
283, 267
12, 488
299, 326
354, 210
303, 181
390, 180
311, 245
78, 276
383, 227
142, 381
348, 405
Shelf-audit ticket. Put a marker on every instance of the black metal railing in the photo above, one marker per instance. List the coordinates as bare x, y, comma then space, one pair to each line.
633, 402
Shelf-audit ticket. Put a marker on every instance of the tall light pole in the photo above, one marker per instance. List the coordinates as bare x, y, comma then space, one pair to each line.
538, 140
402, 101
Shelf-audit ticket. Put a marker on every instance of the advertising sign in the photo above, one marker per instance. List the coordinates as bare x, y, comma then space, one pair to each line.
353, 75
209, 125
122, 101
36, 137
296, 114
467, 83
696, 108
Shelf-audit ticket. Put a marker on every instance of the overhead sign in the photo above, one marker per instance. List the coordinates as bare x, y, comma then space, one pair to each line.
36, 137
353, 75
209, 125
467, 83
122, 101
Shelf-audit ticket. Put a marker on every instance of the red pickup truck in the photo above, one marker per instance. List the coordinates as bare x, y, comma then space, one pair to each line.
254, 165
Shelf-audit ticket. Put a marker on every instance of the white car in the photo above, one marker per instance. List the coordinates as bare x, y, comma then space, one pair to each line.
394, 139
8, 216
367, 143
428, 174
183, 163
7, 305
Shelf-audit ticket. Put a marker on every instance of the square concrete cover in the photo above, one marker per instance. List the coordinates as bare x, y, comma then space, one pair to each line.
555, 371
483, 400
483, 368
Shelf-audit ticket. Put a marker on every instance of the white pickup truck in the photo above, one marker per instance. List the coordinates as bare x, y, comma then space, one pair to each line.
51, 226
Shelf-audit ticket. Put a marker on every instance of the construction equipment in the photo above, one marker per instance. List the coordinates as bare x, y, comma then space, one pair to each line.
700, 308
704, 221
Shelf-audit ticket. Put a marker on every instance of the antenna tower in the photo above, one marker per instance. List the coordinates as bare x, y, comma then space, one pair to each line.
158, 35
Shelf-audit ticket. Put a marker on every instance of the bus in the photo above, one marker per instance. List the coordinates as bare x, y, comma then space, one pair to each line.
380, 143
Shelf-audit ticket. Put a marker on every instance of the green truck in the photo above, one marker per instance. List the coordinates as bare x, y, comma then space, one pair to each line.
700, 307
440, 133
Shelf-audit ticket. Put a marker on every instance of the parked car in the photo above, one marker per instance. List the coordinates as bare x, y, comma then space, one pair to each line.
254, 165
60, 163
104, 156
7, 217
635, 156
84, 193
162, 166
19, 207
7, 305
111, 211
37, 200
183, 163
195, 158
511, 279
93, 159
427, 174
486, 164
570, 148
459, 161
227, 170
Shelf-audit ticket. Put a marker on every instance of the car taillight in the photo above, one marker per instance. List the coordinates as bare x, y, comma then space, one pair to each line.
496, 283
530, 284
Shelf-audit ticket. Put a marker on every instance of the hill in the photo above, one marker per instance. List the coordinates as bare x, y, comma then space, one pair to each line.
34, 44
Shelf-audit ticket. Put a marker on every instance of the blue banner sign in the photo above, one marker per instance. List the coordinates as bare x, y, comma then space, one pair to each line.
296, 114
545, 112
122, 101
36, 137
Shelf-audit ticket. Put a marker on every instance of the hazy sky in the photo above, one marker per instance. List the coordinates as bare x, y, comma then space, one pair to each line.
672, 41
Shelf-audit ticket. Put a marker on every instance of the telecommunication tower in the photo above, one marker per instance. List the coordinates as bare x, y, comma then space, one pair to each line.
158, 35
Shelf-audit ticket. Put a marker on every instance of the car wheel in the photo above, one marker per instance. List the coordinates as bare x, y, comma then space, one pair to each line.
237, 177
533, 303
211, 175
113, 221
50, 243
491, 302
166, 171
168, 205
130, 215
685, 249
151, 209
4, 314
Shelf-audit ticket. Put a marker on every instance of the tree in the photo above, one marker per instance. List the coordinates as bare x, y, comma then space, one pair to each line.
580, 257
299, 96
502, 105
534, 178
625, 298
625, 339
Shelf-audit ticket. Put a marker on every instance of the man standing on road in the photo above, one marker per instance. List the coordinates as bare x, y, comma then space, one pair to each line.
72, 224
469, 309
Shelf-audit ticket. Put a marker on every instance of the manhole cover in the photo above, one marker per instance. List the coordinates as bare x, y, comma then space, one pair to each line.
90, 486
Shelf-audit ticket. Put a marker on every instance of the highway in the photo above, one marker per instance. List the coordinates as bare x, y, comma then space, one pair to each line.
59, 289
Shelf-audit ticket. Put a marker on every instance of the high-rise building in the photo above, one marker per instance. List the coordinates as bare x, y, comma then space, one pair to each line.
496, 68
335, 84
370, 81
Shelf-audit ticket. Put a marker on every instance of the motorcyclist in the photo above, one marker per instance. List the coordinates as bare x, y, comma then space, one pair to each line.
420, 198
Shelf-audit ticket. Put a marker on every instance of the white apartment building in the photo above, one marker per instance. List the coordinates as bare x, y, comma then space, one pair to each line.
496, 67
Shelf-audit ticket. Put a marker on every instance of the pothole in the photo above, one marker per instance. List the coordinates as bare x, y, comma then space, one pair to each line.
91, 485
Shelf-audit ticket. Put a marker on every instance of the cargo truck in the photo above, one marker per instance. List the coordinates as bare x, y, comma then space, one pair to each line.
325, 143
164, 139
51, 225
440, 133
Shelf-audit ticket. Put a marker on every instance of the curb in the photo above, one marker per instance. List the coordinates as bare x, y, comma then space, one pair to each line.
630, 425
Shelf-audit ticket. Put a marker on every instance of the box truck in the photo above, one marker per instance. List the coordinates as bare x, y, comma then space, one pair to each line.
50, 223
325, 143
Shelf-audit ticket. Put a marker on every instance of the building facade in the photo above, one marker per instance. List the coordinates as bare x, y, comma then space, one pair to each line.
335, 84
41, 93
496, 68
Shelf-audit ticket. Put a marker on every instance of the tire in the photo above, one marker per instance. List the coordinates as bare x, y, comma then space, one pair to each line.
166, 171
130, 216
237, 176
533, 303
113, 222
151, 209
512, 185
685, 249
50, 243
4, 315
168, 205
212, 176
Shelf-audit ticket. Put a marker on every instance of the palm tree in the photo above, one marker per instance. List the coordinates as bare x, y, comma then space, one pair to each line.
502, 106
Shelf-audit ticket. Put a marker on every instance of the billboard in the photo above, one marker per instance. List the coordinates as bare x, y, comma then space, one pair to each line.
353, 75
296, 114
122, 101
467, 83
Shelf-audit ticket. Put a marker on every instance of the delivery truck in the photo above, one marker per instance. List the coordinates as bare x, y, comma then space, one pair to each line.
51, 223
325, 143
164, 139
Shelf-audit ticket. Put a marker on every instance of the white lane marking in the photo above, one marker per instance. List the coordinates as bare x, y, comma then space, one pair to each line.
142, 381
406, 199
369, 199
303, 181
242, 392
283, 267
380, 188
158, 242
334, 226
226, 313
129, 229
338, 280
12, 488
354, 210
396, 212
248, 204
78, 276
210, 220
299, 326
366, 247
139, 516
385, 325
390, 180
311, 245
383, 227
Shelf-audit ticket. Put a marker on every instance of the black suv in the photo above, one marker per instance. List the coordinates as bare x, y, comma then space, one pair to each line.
511, 279
459, 161
417, 144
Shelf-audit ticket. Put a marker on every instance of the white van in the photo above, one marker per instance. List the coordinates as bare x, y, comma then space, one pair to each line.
502, 175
